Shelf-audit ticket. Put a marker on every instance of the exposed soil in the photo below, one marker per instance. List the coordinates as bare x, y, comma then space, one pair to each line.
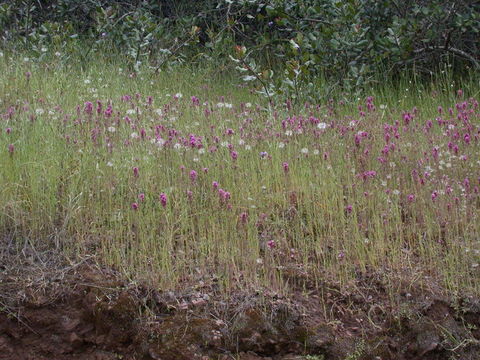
80, 311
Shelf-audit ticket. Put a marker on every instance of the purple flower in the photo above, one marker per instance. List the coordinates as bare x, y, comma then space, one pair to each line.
349, 208
193, 175
234, 155
263, 154
141, 197
135, 171
134, 206
163, 199
11, 149
243, 217
215, 185
271, 244
411, 198
285, 167
8, 130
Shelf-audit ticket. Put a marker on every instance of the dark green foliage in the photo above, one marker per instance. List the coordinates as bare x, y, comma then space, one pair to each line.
347, 41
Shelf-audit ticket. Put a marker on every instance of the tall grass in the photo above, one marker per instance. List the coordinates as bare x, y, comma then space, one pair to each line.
172, 176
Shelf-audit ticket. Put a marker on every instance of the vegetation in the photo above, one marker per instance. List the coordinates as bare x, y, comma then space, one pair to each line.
286, 44
226, 177
169, 175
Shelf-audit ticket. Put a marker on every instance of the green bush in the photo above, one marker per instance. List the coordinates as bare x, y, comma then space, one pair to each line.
287, 43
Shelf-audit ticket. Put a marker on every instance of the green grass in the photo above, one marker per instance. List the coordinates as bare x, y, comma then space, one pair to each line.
60, 188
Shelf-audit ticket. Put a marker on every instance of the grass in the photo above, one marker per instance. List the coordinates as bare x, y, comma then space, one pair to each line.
326, 188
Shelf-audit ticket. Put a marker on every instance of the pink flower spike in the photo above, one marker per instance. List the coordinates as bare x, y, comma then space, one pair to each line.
215, 185
285, 167
134, 206
163, 199
11, 149
135, 171
141, 197
193, 175
271, 244
243, 217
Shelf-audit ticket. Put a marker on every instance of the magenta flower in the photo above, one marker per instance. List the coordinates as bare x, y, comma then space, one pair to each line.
134, 206
234, 155
141, 197
349, 208
224, 195
11, 148
8, 130
411, 198
189, 194
88, 107
243, 217
163, 199
215, 185
434, 195
285, 167
135, 171
271, 244
193, 175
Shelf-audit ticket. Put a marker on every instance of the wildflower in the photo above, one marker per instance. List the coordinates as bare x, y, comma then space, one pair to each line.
411, 198
271, 244
215, 185
141, 196
322, 125
163, 199
281, 145
8, 130
234, 155
263, 154
193, 175
304, 151
11, 149
134, 206
135, 171
285, 167
111, 129
243, 217
349, 208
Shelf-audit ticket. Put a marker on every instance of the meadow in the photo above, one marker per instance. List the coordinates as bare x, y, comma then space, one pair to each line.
175, 176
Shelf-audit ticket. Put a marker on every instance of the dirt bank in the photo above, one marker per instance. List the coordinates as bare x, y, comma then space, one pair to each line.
81, 311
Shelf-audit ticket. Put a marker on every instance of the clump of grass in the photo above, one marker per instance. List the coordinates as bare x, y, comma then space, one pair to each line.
169, 177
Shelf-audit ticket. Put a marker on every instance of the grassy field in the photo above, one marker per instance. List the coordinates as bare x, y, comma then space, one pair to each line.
177, 176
